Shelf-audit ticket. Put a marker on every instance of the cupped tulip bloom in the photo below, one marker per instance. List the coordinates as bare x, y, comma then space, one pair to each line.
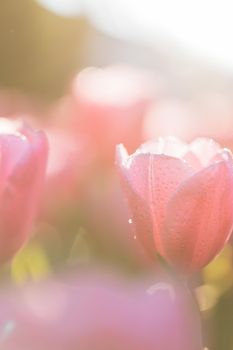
180, 197
100, 313
23, 154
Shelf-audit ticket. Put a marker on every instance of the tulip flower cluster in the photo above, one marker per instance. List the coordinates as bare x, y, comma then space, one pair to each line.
120, 248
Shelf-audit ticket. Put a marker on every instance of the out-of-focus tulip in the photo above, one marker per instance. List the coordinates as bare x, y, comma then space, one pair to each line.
109, 106
99, 313
210, 114
23, 153
67, 170
180, 197
215, 111
172, 116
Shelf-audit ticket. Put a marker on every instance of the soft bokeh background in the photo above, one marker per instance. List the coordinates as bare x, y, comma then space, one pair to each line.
186, 50
41, 50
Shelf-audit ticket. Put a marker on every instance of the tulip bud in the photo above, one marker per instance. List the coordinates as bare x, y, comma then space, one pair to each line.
23, 155
180, 197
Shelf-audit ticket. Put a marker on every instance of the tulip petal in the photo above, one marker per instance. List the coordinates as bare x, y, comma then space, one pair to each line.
139, 211
23, 163
223, 154
12, 148
169, 146
204, 149
153, 180
199, 217
192, 160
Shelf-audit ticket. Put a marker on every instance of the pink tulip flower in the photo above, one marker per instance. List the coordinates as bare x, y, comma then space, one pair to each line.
108, 104
23, 154
180, 197
98, 313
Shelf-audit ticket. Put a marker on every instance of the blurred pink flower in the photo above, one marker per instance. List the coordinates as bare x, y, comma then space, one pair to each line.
99, 313
172, 116
67, 170
23, 153
209, 114
109, 106
180, 197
